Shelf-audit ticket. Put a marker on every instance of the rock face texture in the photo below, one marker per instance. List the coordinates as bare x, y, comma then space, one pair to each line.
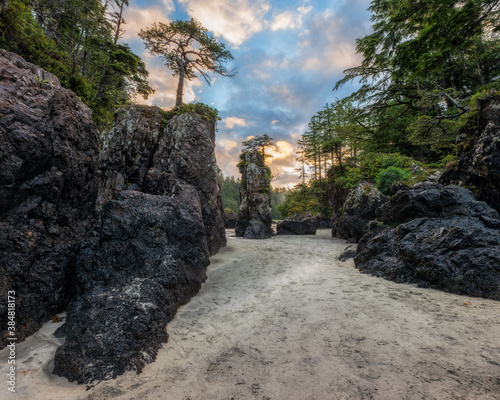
121, 253
146, 153
48, 186
162, 218
358, 210
438, 237
150, 258
254, 217
478, 164
303, 226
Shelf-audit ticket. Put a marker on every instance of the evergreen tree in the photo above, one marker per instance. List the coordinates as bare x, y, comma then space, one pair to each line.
188, 49
259, 143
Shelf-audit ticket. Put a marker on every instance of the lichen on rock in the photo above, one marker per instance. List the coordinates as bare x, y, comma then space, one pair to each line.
121, 238
357, 211
254, 217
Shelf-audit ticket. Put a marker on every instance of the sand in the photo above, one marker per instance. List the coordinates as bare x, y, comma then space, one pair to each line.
283, 319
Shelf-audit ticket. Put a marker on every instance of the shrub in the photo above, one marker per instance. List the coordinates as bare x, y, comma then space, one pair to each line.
388, 176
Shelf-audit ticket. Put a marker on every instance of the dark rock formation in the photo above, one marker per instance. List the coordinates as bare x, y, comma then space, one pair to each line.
437, 237
124, 255
323, 222
254, 217
160, 223
303, 226
143, 152
478, 164
358, 210
191, 147
230, 219
48, 187
336, 196
431, 200
151, 257
348, 253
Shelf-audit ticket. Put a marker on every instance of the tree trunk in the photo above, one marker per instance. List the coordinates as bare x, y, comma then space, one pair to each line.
119, 24
180, 87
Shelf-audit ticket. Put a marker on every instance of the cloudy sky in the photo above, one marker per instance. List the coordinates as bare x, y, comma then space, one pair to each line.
288, 54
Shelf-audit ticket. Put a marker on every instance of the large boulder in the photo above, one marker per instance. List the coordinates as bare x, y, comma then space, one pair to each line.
160, 223
254, 217
358, 210
438, 237
145, 152
303, 226
478, 151
48, 190
191, 147
150, 257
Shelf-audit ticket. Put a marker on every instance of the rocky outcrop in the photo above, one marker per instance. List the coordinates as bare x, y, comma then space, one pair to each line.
302, 226
124, 254
145, 152
162, 218
478, 151
48, 186
358, 210
150, 258
230, 218
254, 217
435, 236
336, 196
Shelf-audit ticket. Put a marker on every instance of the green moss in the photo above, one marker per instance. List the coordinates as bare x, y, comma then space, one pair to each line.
206, 112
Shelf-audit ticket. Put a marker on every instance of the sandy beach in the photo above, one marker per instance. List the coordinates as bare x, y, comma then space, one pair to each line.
283, 319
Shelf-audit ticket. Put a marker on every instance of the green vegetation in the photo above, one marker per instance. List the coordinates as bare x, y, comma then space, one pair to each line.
423, 69
207, 112
306, 199
231, 193
188, 49
79, 43
387, 177
259, 143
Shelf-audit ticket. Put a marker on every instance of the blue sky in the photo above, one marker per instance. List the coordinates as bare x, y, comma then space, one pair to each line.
288, 55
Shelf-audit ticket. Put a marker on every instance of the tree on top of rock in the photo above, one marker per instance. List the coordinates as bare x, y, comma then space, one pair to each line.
188, 49
260, 144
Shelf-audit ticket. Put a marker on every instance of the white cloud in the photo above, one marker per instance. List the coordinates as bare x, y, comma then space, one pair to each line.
231, 122
290, 20
137, 19
335, 50
234, 20
304, 10
285, 20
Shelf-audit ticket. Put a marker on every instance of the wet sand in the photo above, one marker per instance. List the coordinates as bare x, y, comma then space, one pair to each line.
283, 319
